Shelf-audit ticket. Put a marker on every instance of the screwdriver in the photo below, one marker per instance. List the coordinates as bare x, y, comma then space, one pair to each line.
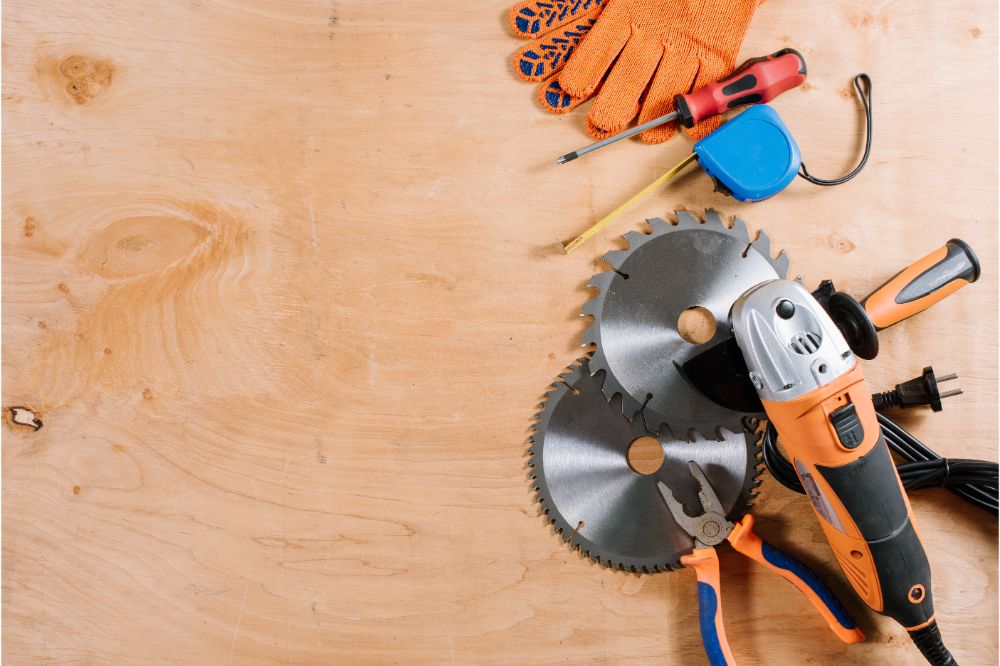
758, 80
750, 158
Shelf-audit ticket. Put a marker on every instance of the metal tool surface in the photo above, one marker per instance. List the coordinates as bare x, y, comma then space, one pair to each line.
636, 313
756, 81
598, 503
751, 158
814, 392
709, 527
719, 371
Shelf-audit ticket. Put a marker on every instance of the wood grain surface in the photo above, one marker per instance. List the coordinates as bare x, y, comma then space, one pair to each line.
281, 283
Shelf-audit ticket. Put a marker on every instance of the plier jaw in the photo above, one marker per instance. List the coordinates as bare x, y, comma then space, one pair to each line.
710, 527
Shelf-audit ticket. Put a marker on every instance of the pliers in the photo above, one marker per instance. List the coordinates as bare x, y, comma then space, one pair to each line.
711, 527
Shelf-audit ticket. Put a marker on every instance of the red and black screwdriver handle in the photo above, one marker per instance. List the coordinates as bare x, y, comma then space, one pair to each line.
922, 284
758, 80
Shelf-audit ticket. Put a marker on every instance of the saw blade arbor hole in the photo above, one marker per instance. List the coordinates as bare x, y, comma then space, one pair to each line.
696, 325
645, 455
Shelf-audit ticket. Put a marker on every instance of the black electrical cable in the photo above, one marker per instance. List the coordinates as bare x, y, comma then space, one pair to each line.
975, 481
865, 95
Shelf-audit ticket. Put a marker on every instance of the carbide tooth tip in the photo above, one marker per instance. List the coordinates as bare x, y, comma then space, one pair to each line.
685, 219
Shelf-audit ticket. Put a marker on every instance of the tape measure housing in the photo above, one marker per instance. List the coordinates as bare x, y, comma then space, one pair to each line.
752, 157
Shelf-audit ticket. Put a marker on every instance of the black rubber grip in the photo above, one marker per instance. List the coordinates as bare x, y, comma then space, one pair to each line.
960, 263
928, 641
684, 115
746, 82
743, 101
869, 489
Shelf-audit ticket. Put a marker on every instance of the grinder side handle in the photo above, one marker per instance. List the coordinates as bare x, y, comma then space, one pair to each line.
922, 284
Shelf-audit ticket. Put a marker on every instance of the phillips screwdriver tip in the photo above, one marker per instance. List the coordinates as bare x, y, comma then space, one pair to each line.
568, 157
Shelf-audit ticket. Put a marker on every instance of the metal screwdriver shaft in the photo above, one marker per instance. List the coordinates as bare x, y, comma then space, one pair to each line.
569, 157
757, 81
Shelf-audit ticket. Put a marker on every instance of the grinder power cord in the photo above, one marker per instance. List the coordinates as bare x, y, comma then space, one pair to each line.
796, 355
975, 481
777, 352
814, 393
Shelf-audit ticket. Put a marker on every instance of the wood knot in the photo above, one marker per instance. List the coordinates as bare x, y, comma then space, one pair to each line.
839, 244
24, 417
86, 77
135, 246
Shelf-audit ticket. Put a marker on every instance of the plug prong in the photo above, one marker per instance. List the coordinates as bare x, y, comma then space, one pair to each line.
948, 394
947, 378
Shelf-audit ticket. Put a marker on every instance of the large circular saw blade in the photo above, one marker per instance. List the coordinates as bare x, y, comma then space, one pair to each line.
598, 503
636, 313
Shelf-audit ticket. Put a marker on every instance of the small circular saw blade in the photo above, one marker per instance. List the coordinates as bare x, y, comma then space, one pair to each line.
598, 503
639, 302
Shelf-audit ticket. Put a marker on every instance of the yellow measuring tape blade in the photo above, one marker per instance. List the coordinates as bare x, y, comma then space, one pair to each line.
639, 196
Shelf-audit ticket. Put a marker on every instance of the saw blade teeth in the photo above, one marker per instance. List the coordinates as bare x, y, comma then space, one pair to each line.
615, 258
714, 221
635, 238
591, 376
780, 264
629, 406
657, 225
598, 364
740, 230
686, 220
762, 245
576, 372
653, 421
601, 280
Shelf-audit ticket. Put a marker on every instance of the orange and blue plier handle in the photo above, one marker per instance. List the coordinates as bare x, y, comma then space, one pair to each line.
705, 562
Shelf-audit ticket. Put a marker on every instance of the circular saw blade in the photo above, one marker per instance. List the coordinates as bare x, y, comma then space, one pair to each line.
599, 504
659, 275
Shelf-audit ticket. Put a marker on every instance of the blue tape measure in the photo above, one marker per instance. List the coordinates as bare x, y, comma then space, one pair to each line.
751, 157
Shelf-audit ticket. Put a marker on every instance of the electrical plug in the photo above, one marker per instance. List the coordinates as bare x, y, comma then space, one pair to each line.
922, 390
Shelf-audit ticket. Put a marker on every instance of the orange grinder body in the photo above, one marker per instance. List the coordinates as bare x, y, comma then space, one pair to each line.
814, 392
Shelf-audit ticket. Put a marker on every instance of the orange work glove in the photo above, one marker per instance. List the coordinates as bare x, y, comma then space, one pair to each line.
555, 27
639, 54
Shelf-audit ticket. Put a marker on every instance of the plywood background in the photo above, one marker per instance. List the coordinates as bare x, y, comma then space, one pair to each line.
280, 279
